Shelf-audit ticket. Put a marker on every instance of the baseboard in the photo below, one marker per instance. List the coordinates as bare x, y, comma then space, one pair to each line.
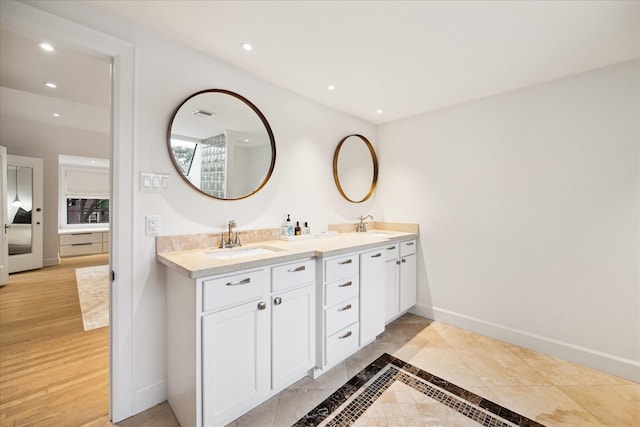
609, 363
149, 396
47, 262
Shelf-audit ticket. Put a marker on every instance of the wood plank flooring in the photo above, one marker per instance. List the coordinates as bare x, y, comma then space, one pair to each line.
52, 373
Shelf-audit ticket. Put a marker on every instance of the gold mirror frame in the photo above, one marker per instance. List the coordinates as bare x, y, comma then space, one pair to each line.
262, 118
374, 159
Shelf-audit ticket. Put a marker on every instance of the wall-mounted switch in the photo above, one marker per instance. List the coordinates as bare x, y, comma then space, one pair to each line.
151, 182
152, 225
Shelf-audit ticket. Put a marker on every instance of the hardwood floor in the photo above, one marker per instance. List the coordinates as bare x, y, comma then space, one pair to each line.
52, 372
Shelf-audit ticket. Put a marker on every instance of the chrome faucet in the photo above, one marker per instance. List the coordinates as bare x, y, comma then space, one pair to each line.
362, 226
229, 242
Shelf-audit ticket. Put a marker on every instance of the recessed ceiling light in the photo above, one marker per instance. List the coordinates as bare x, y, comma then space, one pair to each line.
56, 115
50, 85
331, 87
247, 46
46, 46
379, 111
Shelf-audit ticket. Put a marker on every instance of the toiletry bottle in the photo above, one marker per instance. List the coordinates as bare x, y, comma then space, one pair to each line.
306, 229
298, 230
287, 229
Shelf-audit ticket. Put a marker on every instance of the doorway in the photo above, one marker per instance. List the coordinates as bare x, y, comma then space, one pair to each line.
47, 350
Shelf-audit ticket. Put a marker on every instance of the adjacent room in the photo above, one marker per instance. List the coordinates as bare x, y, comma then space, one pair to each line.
283, 213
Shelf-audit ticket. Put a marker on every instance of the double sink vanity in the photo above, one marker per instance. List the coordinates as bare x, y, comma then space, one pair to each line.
244, 323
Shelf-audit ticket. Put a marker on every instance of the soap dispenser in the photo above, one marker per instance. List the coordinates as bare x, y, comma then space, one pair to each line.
287, 227
306, 229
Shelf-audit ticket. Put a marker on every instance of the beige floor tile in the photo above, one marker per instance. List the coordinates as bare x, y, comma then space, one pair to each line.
500, 367
294, 404
447, 364
547, 405
262, 415
562, 372
614, 405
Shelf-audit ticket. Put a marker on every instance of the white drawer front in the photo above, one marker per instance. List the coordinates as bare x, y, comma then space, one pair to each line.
341, 315
72, 239
392, 251
341, 267
80, 249
341, 290
292, 275
408, 247
342, 344
229, 290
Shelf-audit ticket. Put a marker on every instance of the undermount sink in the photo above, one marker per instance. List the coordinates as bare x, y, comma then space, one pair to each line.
381, 233
241, 252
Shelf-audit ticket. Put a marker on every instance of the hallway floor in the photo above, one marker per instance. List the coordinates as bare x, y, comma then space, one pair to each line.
548, 390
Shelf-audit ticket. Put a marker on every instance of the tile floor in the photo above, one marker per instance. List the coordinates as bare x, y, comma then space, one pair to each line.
548, 390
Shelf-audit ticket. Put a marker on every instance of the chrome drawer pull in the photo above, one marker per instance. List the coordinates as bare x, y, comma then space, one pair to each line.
378, 255
240, 282
409, 243
344, 285
346, 307
347, 335
81, 244
301, 268
391, 248
349, 261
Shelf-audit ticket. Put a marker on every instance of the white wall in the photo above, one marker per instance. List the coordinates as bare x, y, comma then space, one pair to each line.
33, 139
528, 205
302, 184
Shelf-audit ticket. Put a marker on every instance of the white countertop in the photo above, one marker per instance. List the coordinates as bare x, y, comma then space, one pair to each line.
196, 263
82, 230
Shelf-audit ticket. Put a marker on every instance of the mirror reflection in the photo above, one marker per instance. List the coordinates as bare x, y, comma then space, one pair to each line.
221, 144
355, 168
19, 208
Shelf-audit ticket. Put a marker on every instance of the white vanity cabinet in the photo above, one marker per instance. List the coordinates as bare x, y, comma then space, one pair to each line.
372, 294
400, 278
338, 326
234, 340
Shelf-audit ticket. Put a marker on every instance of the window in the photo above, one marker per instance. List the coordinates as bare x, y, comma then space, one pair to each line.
87, 211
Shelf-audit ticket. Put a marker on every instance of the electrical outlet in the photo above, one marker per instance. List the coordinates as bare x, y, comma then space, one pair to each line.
152, 224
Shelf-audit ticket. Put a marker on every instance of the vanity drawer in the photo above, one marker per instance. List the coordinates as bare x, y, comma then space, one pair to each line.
341, 315
341, 290
407, 248
233, 289
341, 267
292, 275
341, 344
392, 251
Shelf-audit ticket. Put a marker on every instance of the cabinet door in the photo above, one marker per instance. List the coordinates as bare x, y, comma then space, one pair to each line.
293, 335
392, 289
407, 282
235, 360
372, 294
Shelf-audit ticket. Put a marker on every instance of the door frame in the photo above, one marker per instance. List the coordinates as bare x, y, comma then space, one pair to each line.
35, 19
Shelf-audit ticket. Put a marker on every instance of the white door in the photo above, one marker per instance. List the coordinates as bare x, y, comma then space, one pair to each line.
4, 250
24, 212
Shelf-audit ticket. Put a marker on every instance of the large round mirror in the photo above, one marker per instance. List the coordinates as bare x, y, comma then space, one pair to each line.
221, 144
355, 168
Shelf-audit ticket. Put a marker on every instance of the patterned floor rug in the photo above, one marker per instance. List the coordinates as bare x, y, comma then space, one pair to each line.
93, 291
392, 392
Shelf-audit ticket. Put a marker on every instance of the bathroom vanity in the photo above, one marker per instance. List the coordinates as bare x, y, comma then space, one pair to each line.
245, 323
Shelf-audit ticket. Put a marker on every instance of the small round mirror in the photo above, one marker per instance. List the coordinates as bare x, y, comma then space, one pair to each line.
355, 168
221, 144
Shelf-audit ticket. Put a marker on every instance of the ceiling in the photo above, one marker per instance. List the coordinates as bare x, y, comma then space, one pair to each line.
401, 57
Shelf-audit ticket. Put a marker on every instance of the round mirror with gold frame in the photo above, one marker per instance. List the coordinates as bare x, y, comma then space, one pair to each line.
355, 168
221, 144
